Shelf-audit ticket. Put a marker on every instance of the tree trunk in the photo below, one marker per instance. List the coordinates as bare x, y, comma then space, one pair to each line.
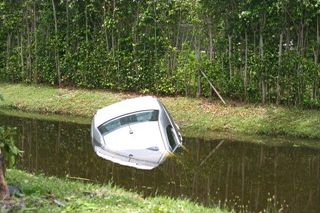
197, 46
316, 61
56, 51
4, 191
245, 77
21, 57
176, 45
8, 52
254, 43
279, 67
35, 71
29, 62
262, 75
135, 41
301, 51
67, 17
84, 78
211, 51
112, 31
105, 26
230, 55
287, 39
261, 49
155, 32
301, 37
86, 25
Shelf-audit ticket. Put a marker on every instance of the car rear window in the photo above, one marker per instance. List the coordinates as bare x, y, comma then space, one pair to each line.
137, 117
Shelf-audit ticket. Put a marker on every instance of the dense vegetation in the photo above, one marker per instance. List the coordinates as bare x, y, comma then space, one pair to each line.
8, 152
259, 51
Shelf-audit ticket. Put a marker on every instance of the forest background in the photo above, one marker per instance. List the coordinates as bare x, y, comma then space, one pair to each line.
253, 51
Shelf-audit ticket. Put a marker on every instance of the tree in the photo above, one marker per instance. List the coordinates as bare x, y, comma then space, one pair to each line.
8, 151
257, 51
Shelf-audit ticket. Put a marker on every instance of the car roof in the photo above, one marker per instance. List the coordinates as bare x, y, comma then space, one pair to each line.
125, 107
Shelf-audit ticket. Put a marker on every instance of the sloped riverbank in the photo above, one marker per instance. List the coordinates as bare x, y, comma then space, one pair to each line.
196, 117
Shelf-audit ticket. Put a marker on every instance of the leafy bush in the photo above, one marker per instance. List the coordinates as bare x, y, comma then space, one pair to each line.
7, 145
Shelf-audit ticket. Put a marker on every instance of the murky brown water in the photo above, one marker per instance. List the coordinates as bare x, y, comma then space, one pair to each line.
238, 175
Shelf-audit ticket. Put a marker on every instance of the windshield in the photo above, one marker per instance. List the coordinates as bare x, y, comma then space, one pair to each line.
136, 117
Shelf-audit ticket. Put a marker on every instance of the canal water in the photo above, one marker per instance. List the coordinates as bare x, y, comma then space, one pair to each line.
242, 176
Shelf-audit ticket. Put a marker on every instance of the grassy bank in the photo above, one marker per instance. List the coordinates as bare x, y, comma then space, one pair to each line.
196, 117
50, 194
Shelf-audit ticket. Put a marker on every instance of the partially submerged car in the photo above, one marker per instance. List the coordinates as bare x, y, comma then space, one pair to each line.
137, 132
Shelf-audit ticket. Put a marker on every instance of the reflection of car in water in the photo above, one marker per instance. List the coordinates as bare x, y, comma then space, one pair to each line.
136, 132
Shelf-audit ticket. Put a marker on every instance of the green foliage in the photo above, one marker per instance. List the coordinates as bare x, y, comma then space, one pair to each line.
186, 72
7, 146
160, 47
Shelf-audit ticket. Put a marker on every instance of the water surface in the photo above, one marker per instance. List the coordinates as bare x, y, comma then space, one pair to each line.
238, 175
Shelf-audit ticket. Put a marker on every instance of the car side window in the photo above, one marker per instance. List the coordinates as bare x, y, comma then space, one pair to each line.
171, 137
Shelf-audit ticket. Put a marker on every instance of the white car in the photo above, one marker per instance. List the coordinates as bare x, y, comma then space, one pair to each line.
137, 132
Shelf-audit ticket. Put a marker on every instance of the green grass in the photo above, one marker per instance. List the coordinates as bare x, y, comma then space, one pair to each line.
43, 194
196, 117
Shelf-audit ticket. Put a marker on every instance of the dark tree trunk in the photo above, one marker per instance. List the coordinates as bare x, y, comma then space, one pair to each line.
279, 67
4, 191
230, 55
245, 76
316, 61
56, 51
